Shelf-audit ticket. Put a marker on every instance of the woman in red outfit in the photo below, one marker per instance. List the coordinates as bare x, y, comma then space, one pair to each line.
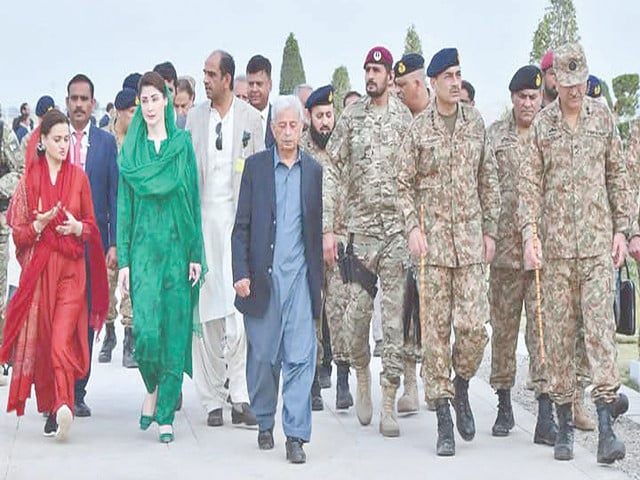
45, 336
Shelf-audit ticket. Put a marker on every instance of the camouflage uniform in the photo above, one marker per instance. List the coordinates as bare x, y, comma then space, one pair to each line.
455, 177
575, 183
11, 167
335, 293
510, 286
364, 165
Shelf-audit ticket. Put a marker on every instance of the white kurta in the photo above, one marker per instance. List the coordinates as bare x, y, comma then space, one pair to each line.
218, 211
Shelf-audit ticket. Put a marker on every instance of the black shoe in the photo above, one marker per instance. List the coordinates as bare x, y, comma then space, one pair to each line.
108, 344
295, 453
610, 448
81, 409
324, 376
344, 400
214, 418
316, 397
241, 413
504, 421
50, 426
546, 427
128, 360
464, 417
446, 444
619, 406
563, 449
265, 439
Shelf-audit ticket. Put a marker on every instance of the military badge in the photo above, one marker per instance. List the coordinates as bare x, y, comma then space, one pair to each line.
377, 56
573, 65
538, 80
401, 68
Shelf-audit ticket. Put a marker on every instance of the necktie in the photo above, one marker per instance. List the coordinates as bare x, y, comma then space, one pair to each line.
77, 148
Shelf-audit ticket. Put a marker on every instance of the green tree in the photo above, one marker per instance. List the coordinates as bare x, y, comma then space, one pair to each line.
292, 71
341, 86
625, 89
557, 27
412, 43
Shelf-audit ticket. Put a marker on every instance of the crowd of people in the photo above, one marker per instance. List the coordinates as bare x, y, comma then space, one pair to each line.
252, 240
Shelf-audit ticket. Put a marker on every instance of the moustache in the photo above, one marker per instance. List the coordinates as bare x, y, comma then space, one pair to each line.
79, 110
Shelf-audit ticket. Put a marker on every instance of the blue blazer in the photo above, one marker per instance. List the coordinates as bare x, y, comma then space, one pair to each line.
102, 169
254, 231
269, 139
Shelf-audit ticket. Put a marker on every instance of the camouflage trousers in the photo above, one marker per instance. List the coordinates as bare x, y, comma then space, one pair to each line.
4, 262
509, 290
458, 297
336, 299
575, 289
125, 304
387, 258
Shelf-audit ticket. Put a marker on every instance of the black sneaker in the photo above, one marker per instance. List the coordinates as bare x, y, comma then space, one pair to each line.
50, 426
241, 413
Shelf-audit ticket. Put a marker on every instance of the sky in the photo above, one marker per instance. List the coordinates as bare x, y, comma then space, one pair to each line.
47, 42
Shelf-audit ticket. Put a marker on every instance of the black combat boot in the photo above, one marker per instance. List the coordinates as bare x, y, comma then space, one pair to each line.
316, 398
446, 444
108, 344
610, 448
546, 428
127, 349
344, 400
504, 420
464, 416
563, 449
619, 406
324, 375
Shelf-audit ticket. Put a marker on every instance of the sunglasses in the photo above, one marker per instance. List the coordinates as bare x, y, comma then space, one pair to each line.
219, 133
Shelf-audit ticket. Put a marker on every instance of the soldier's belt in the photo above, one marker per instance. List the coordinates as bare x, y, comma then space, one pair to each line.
352, 270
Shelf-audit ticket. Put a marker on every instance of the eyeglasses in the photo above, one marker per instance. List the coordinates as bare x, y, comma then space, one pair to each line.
219, 133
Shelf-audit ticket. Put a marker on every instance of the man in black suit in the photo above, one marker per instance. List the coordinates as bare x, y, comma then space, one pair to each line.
277, 274
259, 79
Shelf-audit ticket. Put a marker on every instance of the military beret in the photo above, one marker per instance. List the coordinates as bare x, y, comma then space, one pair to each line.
126, 98
320, 96
547, 61
528, 77
570, 65
445, 58
132, 81
594, 88
44, 104
409, 63
379, 55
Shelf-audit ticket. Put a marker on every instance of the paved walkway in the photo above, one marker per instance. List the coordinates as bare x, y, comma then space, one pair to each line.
110, 446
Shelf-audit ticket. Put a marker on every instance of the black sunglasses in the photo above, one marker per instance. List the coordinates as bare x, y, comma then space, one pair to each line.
219, 133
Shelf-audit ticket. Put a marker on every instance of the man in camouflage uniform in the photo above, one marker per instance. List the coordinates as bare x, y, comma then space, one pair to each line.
510, 286
322, 122
125, 103
450, 171
363, 152
411, 86
574, 182
11, 167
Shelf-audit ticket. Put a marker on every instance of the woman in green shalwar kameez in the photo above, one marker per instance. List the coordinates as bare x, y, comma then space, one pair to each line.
159, 248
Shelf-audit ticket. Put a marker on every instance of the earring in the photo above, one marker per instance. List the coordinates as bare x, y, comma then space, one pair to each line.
40, 149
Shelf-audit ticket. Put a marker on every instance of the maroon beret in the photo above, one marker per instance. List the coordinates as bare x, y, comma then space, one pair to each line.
379, 55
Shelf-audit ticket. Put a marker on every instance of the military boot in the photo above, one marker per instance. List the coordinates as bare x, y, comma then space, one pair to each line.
127, 349
344, 399
324, 375
619, 406
464, 416
388, 421
563, 448
610, 448
546, 428
316, 397
446, 444
108, 344
364, 409
408, 402
504, 421
581, 417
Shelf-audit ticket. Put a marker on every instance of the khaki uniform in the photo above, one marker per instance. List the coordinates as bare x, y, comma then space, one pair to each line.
510, 286
455, 177
361, 179
575, 184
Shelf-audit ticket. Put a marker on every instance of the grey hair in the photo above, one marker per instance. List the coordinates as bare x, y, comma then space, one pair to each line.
302, 86
286, 102
240, 78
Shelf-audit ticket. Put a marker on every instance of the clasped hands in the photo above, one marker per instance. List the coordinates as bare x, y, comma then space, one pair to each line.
70, 226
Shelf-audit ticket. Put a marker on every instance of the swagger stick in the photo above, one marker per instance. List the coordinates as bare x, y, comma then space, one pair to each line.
422, 298
538, 296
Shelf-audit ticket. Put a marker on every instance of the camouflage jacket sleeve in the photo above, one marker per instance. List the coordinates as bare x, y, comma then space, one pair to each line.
12, 158
489, 190
633, 167
530, 186
407, 179
618, 184
333, 173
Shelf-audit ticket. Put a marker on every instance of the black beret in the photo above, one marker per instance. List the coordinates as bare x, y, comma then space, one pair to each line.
409, 63
320, 96
528, 77
44, 104
445, 58
132, 81
126, 98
